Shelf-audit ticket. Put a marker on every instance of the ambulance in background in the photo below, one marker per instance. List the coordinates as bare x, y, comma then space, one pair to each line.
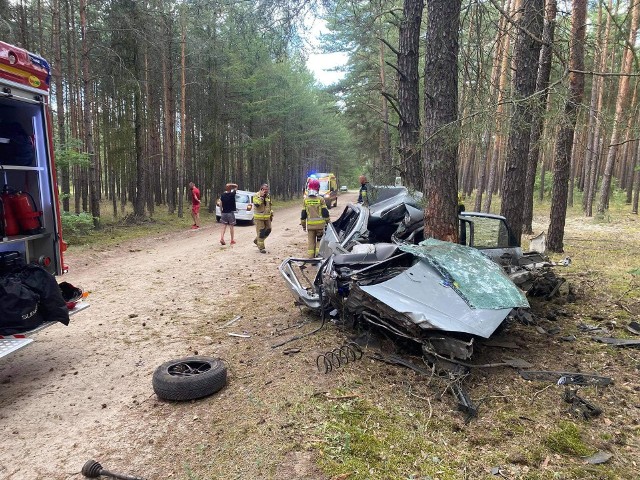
328, 187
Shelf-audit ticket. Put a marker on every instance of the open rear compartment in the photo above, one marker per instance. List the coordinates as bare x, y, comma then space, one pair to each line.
28, 212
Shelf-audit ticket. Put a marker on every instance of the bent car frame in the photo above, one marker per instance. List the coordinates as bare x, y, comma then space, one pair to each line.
375, 266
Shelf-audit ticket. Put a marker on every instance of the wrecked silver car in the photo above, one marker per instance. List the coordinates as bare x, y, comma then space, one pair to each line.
375, 266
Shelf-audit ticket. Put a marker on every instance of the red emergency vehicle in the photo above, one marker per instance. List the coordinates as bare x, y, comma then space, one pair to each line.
30, 227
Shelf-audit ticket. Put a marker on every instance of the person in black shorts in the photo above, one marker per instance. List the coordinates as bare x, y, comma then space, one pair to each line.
228, 209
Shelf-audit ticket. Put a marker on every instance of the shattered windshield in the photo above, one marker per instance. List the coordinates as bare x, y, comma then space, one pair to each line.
478, 280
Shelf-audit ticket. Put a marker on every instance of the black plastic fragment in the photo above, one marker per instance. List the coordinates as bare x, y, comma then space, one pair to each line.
566, 378
618, 342
579, 406
465, 404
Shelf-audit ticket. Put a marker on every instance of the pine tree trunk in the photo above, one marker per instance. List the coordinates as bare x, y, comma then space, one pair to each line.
527, 54
94, 171
633, 164
60, 109
621, 105
540, 105
150, 137
636, 192
440, 144
169, 119
574, 163
183, 119
409, 94
594, 113
628, 154
385, 171
512, 6
567, 128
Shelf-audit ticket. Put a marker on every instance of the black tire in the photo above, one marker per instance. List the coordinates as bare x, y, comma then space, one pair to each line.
189, 378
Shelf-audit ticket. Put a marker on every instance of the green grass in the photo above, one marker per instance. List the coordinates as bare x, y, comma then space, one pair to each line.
567, 439
369, 442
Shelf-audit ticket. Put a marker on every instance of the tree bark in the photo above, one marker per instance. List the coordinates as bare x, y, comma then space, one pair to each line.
633, 165
527, 54
87, 102
621, 105
440, 145
183, 118
168, 114
540, 105
595, 109
409, 94
385, 172
494, 151
636, 192
567, 128
500, 42
59, 91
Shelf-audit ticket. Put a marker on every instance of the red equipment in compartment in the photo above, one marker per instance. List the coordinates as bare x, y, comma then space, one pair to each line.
9, 220
20, 213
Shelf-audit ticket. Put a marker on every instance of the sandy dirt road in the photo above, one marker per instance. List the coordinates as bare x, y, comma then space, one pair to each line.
84, 391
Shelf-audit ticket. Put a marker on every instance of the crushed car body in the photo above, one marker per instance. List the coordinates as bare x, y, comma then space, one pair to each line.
376, 266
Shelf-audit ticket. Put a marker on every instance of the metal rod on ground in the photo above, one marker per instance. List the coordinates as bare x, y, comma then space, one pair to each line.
93, 469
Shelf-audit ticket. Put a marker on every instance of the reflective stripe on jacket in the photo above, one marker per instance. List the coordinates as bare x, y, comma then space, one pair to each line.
262, 207
314, 213
363, 194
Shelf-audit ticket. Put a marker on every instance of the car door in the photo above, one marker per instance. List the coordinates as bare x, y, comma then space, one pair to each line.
342, 234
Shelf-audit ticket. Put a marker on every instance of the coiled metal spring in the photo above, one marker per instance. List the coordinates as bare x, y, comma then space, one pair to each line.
349, 352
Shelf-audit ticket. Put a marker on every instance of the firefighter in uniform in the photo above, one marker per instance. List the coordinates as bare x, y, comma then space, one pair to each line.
263, 214
363, 194
314, 217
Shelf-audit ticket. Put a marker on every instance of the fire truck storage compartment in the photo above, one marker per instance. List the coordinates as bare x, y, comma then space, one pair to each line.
32, 182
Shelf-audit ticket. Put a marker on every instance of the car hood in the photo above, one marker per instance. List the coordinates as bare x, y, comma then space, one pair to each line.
451, 288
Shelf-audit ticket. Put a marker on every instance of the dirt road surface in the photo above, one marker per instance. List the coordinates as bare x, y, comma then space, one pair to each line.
84, 391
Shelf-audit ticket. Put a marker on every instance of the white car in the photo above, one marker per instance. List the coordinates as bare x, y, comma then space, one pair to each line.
244, 205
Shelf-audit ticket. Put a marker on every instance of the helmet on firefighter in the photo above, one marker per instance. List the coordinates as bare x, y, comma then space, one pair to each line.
313, 184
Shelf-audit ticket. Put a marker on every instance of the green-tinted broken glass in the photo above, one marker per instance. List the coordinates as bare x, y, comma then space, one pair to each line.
477, 279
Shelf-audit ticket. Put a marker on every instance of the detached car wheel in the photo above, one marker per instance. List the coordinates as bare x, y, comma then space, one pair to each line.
189, 378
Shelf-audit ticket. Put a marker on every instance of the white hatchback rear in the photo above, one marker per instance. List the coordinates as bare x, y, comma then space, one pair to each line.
244, 205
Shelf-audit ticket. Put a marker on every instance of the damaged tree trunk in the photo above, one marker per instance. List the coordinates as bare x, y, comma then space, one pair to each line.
440, 145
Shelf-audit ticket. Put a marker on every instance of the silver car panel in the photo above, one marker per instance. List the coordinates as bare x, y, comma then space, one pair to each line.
419, 294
